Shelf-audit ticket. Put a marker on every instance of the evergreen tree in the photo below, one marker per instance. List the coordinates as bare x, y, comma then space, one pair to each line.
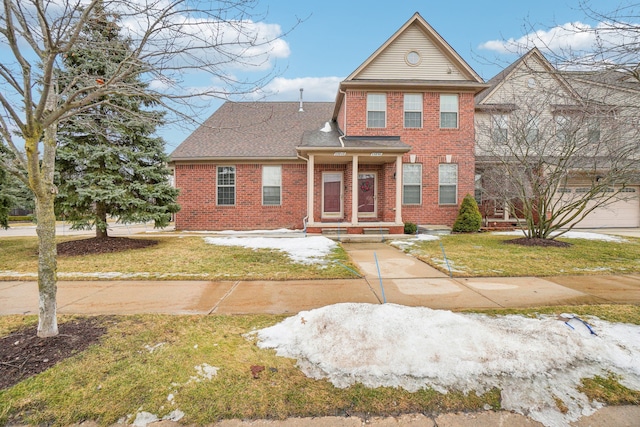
469, 218
5, 199
109, 163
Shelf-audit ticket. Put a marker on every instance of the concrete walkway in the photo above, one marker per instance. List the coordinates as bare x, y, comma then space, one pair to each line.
402, 280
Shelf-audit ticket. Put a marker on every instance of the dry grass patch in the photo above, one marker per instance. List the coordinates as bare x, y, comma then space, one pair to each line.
149, 363
487, 255
174, 258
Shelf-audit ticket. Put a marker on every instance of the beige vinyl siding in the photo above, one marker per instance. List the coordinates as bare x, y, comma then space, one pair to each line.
434, 64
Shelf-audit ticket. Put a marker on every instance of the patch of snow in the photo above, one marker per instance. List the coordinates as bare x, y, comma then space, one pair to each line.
144, 418
533, 361
326, 128
570, 235
310, 250
204, 372
412, 241
153, 348
175, 415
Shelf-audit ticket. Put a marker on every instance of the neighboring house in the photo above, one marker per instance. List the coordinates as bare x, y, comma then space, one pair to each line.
396, 146
534, 112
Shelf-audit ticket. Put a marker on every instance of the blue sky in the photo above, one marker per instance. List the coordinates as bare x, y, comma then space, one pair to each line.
335, 37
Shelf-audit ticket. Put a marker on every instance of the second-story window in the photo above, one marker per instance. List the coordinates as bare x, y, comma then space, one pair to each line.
376, 110
500, 128
413, 110
448, 111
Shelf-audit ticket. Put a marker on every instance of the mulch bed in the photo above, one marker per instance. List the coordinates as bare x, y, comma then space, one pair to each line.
524, 241
103, 245
23, 354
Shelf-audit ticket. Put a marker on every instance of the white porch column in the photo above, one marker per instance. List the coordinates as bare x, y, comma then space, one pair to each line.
399, 189
354, 190
310, 176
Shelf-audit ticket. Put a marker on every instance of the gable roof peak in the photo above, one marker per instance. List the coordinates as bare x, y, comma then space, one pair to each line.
440, 43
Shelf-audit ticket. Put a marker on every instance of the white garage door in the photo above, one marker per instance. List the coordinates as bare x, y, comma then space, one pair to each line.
621, 213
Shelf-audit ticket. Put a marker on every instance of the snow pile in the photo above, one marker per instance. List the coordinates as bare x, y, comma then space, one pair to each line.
570, 235
410, 242
309, 250
533, 361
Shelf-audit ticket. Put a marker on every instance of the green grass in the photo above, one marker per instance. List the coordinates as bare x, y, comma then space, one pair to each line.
176, 258
122, 376
486, 255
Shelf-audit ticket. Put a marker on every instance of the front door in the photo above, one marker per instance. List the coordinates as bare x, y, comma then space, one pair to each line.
367, 194
332, 195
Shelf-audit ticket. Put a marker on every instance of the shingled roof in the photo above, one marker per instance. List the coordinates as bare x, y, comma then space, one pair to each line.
253, 130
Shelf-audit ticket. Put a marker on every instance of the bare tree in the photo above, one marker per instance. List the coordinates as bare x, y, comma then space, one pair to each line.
554, 146
171, 41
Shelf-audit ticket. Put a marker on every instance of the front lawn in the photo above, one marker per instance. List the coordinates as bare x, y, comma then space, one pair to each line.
173, 258
487, 254
205, 367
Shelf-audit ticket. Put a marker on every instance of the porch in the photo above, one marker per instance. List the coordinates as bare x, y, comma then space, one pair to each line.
355, 188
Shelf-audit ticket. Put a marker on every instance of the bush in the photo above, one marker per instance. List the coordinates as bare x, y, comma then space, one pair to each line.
469, 218
410, 228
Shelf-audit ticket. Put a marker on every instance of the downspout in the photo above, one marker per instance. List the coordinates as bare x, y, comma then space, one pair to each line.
306, 218
344, 133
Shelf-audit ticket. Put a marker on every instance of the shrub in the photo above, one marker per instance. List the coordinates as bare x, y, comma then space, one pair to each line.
469, 218
410, 228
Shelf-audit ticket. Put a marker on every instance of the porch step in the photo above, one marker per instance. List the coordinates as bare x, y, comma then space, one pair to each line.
334, 231
375, 231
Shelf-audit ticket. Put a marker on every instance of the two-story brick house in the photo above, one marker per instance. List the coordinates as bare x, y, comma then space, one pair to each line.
396, 146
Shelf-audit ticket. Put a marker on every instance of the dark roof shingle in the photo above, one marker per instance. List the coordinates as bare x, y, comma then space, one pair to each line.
253, 130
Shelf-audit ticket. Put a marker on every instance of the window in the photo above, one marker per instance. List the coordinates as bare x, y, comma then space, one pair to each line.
411, 184
593, 132
500, 128
271, 185
376, 110
531, 128
226, 185
563, 125
448, 179
448, 111
413, 110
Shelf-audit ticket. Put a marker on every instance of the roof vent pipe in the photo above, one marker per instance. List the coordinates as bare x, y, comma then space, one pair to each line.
301, 110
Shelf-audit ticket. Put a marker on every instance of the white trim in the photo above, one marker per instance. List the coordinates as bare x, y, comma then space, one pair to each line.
373, 214
333, 215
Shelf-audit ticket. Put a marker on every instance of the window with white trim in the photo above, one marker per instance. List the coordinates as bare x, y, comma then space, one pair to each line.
412, 110
448, 111
500, 128
271, 185
226, 185
376, 110
531, 128
448, 184
593, 132
411, 183
563, 129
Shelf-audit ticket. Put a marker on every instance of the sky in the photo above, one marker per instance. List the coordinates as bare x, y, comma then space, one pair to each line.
334, 37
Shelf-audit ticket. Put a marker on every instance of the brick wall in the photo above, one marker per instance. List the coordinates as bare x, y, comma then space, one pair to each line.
430, 144
200, 211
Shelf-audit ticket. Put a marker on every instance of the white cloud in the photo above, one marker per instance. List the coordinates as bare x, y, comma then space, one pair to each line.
571, 36
315, 89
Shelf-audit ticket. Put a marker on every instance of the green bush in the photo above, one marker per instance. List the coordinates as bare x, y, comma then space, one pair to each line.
410, 228
469, 218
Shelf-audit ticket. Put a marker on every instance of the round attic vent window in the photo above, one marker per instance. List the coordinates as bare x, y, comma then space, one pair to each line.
413, 58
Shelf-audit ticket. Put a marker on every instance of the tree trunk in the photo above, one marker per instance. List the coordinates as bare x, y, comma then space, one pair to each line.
101, 221
47, 266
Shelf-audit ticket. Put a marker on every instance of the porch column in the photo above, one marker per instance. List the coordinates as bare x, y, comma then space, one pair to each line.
310, 176
354, 190
398, 189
